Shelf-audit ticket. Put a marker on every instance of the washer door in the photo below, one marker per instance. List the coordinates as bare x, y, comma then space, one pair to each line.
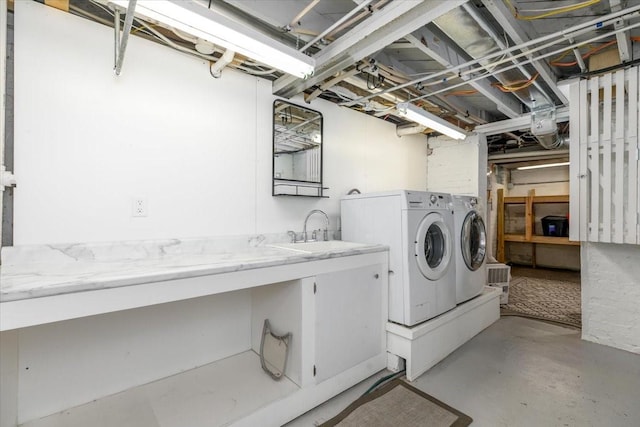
473, 241
433, 246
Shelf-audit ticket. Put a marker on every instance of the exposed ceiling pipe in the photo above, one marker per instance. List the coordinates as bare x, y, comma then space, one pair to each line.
330, 83
357, 18
465, 30
473, 12
519, 31
520, 123
122, 47
578, 55
225, 59
174, 45
540, 57
184, 36
583, 28
442, 106
335, 25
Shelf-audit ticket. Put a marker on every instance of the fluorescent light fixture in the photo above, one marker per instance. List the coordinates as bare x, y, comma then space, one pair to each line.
425, 118
545, 165
199, 21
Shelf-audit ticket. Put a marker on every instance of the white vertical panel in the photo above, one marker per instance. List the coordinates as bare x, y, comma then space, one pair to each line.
594, 163
608, 158
9, 373
606, 143
633, 132
584, 145
575, 219
636, 118
618, 202
348, 327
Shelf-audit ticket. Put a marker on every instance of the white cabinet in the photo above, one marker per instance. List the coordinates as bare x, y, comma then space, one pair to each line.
195, 361
347, 319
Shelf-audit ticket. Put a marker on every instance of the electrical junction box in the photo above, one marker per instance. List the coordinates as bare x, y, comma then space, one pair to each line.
543, 121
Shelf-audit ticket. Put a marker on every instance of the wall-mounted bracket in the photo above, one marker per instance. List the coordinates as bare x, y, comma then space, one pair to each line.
7, 179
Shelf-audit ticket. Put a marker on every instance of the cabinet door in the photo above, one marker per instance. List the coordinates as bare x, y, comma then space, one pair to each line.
349, 319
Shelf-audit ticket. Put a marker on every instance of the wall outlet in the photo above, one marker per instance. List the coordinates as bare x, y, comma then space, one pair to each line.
139, 207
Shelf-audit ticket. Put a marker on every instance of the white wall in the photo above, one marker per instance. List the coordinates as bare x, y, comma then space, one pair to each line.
611, 295
546, 181
197, 148
455, 166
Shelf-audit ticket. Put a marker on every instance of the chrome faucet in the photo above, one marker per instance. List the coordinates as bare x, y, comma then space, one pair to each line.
326, 228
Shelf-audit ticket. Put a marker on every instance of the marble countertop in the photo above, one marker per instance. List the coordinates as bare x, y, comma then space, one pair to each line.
47, 270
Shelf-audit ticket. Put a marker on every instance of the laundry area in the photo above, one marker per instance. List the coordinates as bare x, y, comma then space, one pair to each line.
319, 213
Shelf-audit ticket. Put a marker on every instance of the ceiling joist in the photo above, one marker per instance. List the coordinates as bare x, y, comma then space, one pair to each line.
521, 32
384, 27
435, 48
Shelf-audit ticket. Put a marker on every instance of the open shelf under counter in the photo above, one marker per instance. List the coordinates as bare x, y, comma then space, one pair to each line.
183, 352
216, 394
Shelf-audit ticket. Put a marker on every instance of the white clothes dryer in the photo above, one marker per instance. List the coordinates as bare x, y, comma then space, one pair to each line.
417, 227
471, 247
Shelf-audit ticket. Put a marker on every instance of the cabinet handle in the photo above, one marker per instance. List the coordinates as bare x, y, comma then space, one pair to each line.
376, 275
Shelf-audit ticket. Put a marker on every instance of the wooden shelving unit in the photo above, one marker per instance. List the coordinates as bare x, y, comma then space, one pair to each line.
528, 237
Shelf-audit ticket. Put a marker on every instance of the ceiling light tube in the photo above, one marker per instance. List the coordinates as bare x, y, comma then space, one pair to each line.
420, 116
545, 165
208, 25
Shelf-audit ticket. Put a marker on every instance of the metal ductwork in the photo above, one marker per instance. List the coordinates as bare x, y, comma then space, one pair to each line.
545, 127
468, 30
553, 141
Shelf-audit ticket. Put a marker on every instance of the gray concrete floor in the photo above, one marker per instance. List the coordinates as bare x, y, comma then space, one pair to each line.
523, 372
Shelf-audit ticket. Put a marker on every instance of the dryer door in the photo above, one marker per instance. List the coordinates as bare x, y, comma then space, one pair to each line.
473, 241
433, 246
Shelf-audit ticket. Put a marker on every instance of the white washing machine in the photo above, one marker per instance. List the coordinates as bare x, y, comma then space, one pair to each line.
471, 247
418, 228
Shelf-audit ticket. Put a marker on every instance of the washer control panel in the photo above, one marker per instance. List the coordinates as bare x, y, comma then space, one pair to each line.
428, 200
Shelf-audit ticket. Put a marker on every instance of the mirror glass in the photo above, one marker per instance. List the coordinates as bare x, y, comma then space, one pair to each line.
297, 151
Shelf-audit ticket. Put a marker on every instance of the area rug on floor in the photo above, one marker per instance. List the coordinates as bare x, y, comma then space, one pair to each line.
544, 299
398, 404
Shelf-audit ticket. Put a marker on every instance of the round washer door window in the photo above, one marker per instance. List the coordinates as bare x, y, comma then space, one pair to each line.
473, 241
433, 246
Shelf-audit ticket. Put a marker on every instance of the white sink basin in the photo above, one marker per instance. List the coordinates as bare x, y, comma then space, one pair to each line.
323, 246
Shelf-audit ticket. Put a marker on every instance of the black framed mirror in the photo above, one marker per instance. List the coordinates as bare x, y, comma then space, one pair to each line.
297, 151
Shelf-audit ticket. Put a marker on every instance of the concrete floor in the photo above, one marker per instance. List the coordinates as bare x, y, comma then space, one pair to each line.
523, 372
